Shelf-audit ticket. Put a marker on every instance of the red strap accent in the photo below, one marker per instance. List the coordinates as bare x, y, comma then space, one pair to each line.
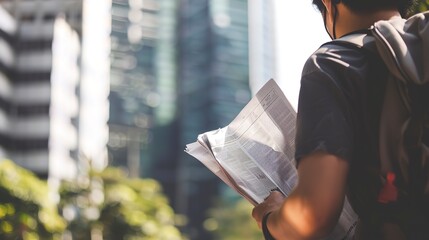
389, 192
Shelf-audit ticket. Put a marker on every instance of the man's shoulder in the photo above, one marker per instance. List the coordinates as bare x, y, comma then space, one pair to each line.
336, 50
333, 59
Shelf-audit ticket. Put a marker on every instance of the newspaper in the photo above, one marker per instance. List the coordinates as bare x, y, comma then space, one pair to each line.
254, 154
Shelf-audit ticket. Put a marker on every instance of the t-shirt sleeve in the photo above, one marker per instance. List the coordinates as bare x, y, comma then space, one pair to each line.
322, 120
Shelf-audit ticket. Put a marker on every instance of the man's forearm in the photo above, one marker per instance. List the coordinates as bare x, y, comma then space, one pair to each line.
314, 206
295, 220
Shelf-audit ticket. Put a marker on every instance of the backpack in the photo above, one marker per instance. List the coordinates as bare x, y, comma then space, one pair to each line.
403, 144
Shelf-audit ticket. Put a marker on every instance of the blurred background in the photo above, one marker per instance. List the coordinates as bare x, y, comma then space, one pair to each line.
98, 99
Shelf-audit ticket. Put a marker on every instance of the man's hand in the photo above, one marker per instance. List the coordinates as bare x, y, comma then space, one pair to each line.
272, 203
312, 209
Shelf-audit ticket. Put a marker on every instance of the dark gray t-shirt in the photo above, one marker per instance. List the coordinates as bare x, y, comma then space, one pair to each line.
338, 110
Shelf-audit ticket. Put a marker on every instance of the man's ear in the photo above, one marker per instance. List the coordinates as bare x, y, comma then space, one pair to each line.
329, 6
326, 2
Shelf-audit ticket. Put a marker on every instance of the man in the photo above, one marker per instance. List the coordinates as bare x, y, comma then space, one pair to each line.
338, 111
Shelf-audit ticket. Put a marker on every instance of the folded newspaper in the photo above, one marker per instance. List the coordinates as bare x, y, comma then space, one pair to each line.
254, 154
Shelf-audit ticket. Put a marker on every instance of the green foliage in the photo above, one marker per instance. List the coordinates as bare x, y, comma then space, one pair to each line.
420, 6
232, 221
26, 211
424, 6
123, 208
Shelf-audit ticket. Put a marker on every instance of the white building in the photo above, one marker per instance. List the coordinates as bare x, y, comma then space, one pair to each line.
53, 74
262, 50
7, 60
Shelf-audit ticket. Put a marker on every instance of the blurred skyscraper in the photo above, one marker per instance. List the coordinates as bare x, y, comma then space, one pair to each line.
7, 61
45, 101
142, 90
40, 130
179, 68
262, 43
95, 82
214, 86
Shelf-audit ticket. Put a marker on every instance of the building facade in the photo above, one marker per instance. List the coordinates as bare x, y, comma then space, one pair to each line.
56, 78
94, 83
214, 86
262, 43
42, 45
8, 29
134, 94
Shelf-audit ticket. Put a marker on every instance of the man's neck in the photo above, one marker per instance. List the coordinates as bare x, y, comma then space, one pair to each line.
351, 21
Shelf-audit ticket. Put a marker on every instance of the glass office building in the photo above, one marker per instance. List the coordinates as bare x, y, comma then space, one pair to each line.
213, 81
142, 87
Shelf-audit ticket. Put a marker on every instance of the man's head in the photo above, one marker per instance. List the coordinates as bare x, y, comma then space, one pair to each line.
368, 6
357, 14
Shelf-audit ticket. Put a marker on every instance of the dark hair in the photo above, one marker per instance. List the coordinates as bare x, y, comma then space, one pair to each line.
365, 6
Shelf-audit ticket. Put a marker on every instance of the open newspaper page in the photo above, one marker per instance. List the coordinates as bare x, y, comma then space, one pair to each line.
254, 154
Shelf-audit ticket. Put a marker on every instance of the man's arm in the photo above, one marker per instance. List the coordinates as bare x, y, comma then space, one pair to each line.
312, 209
